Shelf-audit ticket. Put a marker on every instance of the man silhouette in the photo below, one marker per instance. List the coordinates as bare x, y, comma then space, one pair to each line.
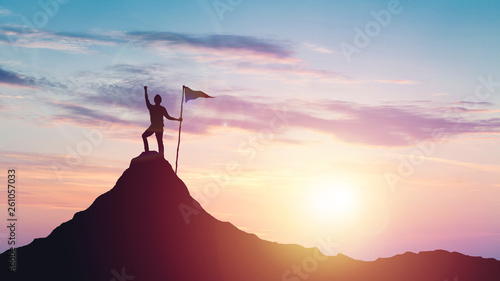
156, 113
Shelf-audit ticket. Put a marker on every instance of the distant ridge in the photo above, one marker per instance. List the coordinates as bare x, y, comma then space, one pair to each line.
136, 231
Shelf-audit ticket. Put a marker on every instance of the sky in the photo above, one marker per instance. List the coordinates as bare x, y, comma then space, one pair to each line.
368, 128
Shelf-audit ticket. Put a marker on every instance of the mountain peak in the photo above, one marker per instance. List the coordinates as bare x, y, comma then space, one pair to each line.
139, 225
149, 158
138, 228
151, 184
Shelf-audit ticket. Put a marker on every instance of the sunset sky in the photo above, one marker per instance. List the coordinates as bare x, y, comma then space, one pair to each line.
369, 128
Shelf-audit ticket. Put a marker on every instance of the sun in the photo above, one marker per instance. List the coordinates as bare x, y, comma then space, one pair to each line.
332, 200
327, 201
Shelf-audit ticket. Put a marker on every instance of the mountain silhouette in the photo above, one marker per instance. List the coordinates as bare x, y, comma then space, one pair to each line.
148, 227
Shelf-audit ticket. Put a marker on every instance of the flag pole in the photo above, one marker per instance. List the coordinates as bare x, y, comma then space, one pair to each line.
180, 125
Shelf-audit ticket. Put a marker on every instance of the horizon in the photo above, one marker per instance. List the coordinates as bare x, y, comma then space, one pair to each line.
372, 126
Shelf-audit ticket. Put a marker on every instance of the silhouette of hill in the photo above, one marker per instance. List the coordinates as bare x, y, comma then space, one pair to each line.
137, 231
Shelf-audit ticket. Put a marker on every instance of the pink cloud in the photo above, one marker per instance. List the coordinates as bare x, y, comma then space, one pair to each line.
242, 54
24, 37
16, 86
316, 48
380, 125
405, 82
370, 125
247, 60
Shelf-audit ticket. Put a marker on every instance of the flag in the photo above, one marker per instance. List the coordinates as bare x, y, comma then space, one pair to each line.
191, 95
188, 95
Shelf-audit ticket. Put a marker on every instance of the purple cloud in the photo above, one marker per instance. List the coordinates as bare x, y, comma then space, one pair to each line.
474, 103
85, 116
269, 58
215, 41
81, 42
14, 79
381, 125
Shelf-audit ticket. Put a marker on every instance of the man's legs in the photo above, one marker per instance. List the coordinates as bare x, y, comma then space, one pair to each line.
159, 138
145, 136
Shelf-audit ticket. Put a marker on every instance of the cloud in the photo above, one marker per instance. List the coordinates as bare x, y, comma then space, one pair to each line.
4, 12
122, 86
112, 100
85, 116
83, 42
20, 36
287, 72
98, 98
113, 97
393, 126
12, 79
247, 55
474, 103
130, 69
374, 125
316, 48
349, 122
405, 82
11, 97
104, 100
468, 165
216, 42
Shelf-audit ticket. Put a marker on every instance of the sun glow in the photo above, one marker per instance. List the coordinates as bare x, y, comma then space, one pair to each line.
332, 200
327, 201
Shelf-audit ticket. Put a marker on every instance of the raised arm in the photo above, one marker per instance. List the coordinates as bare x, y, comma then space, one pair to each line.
148, 104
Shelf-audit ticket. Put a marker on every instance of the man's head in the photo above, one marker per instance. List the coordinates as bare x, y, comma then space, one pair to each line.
157, 99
